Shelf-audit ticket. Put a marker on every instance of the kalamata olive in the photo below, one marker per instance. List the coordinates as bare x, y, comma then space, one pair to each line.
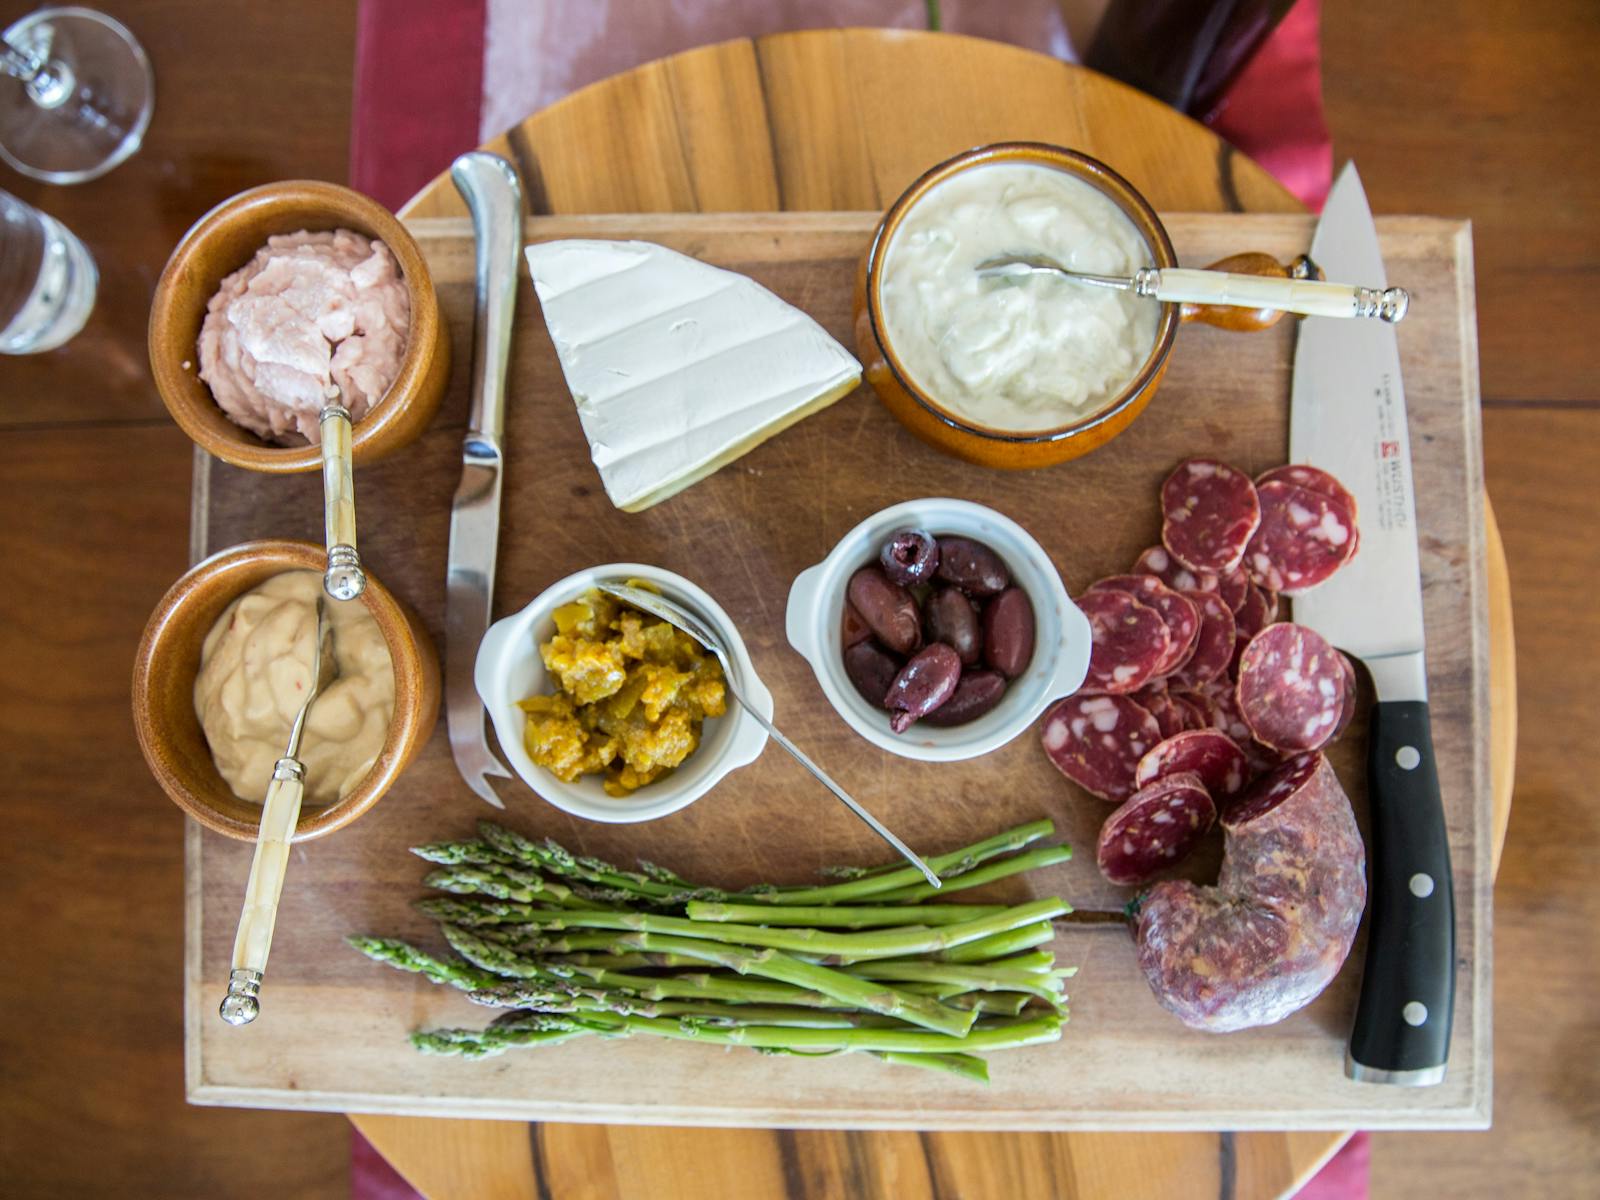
872, 669
949, 617
923, 684
1008, 632
887, 608
976, 694
971, 566
852, 628
909, 556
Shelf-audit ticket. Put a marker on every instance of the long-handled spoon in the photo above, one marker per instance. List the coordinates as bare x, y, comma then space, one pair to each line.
344, 578
675, 615
279, 815
1182, 285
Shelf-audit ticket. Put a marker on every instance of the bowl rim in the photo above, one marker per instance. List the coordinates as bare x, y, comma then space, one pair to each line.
408, 727
169, 307
1081, 166
746, 740
810, 613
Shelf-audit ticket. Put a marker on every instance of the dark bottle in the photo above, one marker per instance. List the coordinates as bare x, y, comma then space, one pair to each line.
1184, 52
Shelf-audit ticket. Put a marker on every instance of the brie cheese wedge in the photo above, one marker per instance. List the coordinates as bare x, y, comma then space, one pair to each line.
677, 367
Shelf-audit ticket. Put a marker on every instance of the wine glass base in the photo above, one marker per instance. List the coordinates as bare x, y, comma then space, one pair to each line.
77, 132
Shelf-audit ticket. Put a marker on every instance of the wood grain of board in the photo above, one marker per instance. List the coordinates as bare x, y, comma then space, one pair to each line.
334, 1034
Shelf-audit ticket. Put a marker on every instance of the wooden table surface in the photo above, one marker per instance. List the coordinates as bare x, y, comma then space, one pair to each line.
1468, 108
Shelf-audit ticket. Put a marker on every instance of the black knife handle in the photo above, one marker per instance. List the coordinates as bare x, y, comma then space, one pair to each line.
1402, 1027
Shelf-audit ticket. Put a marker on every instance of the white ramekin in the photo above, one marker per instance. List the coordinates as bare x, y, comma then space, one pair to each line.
1061, 640
509, 669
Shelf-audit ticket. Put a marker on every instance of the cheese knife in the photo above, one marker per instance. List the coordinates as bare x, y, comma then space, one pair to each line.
493, 194
1348, 416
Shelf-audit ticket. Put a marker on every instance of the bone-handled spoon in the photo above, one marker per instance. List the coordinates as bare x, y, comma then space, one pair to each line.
1183, 285
280, 813
681, 618
344, 578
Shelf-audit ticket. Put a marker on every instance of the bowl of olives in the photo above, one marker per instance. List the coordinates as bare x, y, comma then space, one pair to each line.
938, 629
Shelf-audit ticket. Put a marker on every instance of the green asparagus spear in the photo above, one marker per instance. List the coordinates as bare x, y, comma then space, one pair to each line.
841, 916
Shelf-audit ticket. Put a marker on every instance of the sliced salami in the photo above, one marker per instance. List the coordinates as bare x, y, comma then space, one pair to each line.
1278, 925
1304, 537
1343, 722
1225, 713
1209, 753
1158, 562
1313, 479
1209, 511
1178, 611
1171, 716
1097, 742
1200, 704
1291, 689
1154, 828
1259, 610
1234, 588
1194, 715
1130, 640
1214, 649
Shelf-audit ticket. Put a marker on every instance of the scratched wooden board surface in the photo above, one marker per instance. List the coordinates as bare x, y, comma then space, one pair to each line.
332, 1033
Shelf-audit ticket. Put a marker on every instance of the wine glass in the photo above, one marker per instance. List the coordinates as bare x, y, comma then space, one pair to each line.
76, 93
47, 280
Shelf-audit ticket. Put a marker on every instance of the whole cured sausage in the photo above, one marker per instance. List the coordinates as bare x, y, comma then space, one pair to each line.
1274, 931
1155, 827
1209, 511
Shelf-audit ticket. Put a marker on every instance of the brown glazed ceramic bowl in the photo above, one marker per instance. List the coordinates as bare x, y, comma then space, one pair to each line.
169, 659
923, 414
224, 240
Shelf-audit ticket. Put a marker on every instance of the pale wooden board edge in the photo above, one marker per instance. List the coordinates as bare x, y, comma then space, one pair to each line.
1474, 1115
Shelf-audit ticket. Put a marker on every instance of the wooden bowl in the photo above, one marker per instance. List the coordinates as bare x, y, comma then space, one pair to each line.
224, 240
169, 659
931, 421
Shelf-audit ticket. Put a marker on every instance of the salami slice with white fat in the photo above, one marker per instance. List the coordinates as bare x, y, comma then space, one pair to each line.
1154, 828
1193, 715
1209, 753
1223, 700
1209, 511
1260, 609
1313, 479
1097, 742
1291, 689
1349, 712
1304, 537
1214, 648
1171, 717
1178, 611
1278, 925
1234, 588
1129, 640
1158, 562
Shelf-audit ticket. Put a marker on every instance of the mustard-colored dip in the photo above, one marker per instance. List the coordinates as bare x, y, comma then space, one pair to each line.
632, 692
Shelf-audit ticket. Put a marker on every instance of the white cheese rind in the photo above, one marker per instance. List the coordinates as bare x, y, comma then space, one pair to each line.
677, 367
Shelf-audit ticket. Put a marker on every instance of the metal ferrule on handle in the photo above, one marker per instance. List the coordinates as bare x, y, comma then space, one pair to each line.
344, 578
1309, 297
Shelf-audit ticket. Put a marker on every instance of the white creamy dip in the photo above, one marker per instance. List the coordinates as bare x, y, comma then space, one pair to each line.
1025, 355
311, 311
255, 667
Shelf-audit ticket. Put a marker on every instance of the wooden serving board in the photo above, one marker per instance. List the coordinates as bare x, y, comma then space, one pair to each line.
333, 1029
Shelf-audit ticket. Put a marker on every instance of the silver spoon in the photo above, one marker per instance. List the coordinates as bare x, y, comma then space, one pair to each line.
280, 812
1179, 285
675, 615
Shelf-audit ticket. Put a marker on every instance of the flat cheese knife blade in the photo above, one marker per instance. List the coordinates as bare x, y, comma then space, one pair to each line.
493, 194
1348, 416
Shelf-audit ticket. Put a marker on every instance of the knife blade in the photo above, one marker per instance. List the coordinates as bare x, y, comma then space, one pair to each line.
489, 185
1348, 416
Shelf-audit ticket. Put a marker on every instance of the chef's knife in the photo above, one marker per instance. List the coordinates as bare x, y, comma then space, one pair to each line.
489, 185
1348, 416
